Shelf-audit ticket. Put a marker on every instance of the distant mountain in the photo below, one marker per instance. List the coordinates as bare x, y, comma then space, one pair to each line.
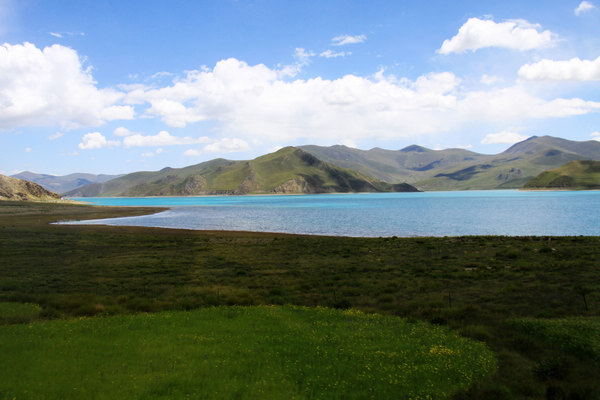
289, 170
411, 164
65, 183
18, 189
576, 175
457, 169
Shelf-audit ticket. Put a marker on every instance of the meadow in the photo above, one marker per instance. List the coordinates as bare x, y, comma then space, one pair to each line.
475, 286
262, 352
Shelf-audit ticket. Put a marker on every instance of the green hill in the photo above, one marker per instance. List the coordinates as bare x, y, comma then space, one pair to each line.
18, 189
458, 169
289, 170
580, 175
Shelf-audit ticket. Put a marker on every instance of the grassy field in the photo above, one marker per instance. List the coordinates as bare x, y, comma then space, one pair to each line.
264, 352
473, 285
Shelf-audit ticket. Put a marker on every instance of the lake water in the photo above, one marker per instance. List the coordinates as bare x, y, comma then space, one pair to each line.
499, 212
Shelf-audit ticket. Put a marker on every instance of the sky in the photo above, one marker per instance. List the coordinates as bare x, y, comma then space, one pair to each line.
121, 86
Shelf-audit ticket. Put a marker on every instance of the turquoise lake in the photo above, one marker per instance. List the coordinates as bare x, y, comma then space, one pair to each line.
498, 212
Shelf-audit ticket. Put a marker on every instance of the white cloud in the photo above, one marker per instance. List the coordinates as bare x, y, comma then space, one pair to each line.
463, 146
162, 138
347, 39
349, 143
56, 34
490, 80
256, 102
573, 69
583, 7
302, 58
478, 33
504, 137
28, 150
331, 54
595, 135
122, 131
274, 149
192, 153
57, 135
227, 145
149, 154
51, 87
96, 140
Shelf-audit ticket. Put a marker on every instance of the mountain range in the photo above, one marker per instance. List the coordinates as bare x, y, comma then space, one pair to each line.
459, 169
288, 170
318, 169
65, 183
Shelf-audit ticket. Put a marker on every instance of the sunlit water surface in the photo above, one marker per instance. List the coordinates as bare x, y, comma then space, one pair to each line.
499, 212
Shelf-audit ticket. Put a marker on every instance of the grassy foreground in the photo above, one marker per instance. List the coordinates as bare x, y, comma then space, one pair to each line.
474, 285
265, 352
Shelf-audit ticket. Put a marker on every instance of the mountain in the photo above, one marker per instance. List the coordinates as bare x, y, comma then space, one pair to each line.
457, 169
65, 183
289, 170
411, 164
574, 175
18, 189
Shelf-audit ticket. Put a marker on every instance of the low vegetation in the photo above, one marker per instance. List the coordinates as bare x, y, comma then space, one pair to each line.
473, 285
265, 352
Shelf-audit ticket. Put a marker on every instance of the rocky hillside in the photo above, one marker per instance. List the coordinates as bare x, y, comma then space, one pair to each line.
18, 189
289, 170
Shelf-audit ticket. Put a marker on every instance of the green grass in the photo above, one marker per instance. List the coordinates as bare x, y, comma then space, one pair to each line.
579, 335
238, 352
14, 313
472, 285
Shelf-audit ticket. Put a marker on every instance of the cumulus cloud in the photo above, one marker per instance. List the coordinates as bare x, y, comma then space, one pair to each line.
96, 140
478, 33
162, 138
583, 7
573, 69
333, 54
504, 137
255, 102
348, 39
50, 86
595, 135
227, 145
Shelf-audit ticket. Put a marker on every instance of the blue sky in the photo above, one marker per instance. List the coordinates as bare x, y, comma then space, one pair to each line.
122, 86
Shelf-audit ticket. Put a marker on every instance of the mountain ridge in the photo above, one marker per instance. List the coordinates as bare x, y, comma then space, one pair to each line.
289, 170
460, 169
